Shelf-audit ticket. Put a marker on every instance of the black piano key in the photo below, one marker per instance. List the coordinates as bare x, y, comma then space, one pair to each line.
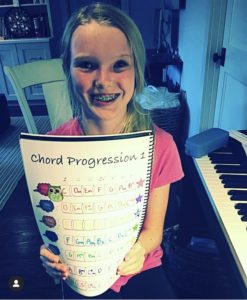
238, 195
244, 218
225, 159
237, 178
238, 192
225, 169
238, 198
233, 160
233, 185
244, 131
237, 148
241, 206
242, 212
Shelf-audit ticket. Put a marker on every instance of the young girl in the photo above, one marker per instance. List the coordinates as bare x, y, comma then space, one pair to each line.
104, 60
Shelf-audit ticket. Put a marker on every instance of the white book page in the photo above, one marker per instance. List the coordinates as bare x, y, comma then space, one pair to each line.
89, 198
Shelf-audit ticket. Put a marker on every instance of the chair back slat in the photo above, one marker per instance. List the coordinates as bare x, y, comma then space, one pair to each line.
50, 75
41, 71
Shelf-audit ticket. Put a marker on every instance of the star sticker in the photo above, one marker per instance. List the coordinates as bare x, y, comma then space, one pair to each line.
139, 198
140, 182
135, 227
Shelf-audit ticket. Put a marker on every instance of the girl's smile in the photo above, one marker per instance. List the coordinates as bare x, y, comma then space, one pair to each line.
103, 99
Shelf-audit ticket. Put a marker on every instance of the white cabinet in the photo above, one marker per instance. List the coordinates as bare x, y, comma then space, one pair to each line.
12, 54
35, 46
8, 57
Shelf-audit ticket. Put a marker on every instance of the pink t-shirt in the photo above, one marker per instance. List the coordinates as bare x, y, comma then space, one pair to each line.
166, 169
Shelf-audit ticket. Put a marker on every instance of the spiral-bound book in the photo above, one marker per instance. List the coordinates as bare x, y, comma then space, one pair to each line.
89, 195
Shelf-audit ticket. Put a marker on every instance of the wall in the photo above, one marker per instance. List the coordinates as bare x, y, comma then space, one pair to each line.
193, 37
59, 16
143, 13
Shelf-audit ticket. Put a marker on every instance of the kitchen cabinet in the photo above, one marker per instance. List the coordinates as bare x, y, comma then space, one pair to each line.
18, 48
12, 54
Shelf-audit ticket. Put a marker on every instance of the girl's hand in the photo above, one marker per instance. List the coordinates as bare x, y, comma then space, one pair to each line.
133, 261
53, 265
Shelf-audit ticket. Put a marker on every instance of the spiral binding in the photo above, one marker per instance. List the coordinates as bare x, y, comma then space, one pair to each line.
148, 181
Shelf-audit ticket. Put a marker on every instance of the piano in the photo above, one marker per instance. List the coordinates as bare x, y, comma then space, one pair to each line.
221, 188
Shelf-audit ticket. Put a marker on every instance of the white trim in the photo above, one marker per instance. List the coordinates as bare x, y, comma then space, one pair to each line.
215, 42
49, 17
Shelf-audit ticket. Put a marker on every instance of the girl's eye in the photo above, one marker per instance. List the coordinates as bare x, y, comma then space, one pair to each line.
120, 64
86, 66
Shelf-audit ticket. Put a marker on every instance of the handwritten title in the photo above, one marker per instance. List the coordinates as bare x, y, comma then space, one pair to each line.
86, 162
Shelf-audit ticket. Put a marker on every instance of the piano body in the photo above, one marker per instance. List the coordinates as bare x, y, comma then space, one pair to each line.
220, 183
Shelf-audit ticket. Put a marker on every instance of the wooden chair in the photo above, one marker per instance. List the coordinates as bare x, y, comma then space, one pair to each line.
49, 74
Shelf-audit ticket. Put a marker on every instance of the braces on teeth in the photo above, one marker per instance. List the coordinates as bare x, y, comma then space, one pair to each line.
106, 98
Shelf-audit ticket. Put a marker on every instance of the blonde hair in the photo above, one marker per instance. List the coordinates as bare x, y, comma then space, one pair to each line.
105, 14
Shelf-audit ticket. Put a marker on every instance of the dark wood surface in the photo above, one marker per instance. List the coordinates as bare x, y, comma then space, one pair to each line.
19, 250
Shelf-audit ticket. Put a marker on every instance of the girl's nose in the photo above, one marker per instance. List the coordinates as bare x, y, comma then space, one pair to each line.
103, 79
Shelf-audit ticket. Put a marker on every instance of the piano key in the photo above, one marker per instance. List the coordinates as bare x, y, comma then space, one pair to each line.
226, 169
242, 212
218, 190
225, 159
230, 177
234, 184
241, 205
244, 131
237, 198
233, 226
239, 136
242, 193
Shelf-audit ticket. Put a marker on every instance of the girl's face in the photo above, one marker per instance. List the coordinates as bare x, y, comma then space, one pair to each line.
102, 71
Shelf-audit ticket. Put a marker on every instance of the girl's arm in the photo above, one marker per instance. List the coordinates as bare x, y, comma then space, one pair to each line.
152, 232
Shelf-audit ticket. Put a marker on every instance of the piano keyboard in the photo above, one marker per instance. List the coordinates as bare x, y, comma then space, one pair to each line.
224, 176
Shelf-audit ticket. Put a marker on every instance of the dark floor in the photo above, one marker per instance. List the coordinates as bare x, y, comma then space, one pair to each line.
19, 256
19, 251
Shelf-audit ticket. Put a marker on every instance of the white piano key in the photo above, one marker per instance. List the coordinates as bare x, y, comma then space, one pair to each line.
233, 228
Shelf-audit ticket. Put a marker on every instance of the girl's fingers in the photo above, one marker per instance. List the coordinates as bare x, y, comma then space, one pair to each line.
131, 267
133, 261
53, 265
58, 266
44, 251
